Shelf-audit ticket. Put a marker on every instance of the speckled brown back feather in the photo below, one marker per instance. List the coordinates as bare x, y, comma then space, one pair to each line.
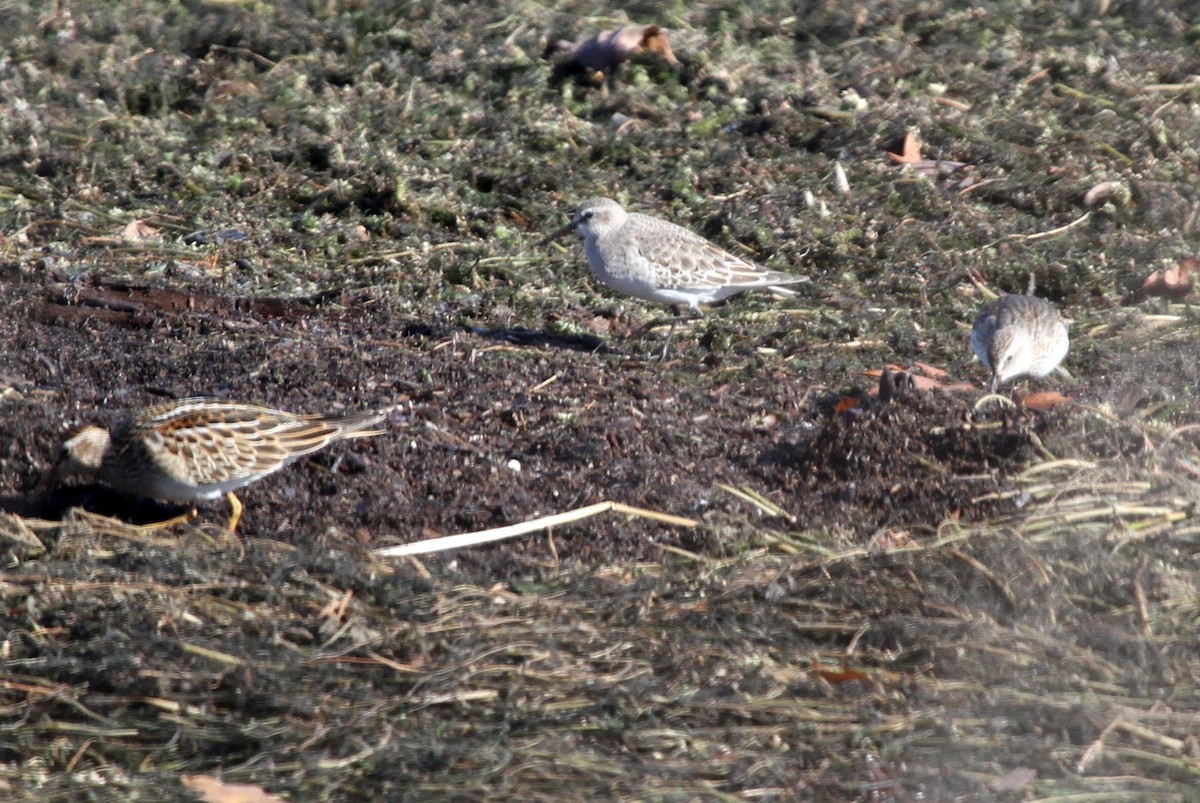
204, 441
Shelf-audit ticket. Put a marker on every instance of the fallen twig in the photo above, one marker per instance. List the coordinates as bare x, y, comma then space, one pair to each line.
513, 530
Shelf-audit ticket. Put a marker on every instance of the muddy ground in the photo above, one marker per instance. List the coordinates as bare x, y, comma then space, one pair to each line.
911, 597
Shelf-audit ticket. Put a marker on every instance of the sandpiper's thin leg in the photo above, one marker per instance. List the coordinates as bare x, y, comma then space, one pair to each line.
667, 343
235, 512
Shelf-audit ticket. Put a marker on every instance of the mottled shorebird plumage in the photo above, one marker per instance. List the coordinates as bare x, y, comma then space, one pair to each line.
1017, 336
200, 448
655, 260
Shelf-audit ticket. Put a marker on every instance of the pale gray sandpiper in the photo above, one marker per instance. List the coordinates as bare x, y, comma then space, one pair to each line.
1017, 336
200, 448
652, 259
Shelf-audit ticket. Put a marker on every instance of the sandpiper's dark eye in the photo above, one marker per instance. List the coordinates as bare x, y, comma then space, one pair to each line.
587, 215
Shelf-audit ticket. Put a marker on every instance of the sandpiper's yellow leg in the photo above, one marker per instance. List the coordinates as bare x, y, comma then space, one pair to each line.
235, 512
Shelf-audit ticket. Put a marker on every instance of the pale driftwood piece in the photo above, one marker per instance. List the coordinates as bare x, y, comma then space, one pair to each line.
513, 530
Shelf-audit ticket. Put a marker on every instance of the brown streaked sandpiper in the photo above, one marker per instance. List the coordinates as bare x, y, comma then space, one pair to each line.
200, 448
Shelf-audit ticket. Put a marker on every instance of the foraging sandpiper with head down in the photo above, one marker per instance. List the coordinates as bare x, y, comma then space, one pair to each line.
200, 448
652, 259
1017, 336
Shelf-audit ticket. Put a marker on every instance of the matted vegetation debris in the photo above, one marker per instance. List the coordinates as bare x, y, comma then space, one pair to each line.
895, 589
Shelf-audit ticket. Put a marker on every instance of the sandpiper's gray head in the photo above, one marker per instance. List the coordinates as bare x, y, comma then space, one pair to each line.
597, 217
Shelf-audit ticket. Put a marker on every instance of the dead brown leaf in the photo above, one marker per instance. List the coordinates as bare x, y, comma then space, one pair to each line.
845, 675
920, 378
911, 151
836, 676
930, 371
846, 404
608, 49
1044, 400
138, 230
911, 158
1173, 282
655, 39
214, 790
